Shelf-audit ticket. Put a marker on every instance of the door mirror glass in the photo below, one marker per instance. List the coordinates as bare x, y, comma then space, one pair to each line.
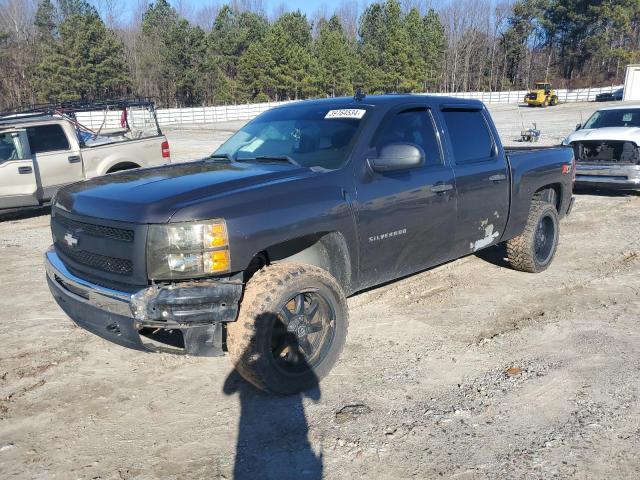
398, 156
578, 126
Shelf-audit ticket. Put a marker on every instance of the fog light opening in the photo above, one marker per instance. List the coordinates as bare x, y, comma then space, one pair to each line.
163, 339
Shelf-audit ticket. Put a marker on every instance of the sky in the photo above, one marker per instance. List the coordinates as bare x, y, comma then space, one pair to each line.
192, 8
202, 12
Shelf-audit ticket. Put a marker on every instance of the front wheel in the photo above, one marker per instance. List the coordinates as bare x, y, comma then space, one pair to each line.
534, 249
291, 328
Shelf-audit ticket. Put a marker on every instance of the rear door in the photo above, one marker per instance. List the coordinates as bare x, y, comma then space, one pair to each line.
482, 178
58, 160
18, 184
406, 218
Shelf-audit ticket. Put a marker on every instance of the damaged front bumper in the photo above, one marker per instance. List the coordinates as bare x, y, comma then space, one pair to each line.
608, 176
195, 309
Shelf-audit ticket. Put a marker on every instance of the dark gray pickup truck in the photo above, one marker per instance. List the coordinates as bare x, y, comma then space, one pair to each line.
255, 249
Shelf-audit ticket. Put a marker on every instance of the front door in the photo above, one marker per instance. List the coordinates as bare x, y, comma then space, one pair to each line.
18, 185
406, 218
58, 160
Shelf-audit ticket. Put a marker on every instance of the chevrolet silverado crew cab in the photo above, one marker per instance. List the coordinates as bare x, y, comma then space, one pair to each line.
607, 149
44, 148
255, 249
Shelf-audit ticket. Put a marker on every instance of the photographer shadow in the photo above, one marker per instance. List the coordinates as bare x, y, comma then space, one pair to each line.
273, 432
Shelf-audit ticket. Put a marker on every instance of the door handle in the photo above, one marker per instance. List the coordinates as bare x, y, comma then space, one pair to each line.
498, 177
441, 188
74, 159
25, 170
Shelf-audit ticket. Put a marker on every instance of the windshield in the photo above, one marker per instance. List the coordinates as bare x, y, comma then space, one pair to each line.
312, 136
614, 118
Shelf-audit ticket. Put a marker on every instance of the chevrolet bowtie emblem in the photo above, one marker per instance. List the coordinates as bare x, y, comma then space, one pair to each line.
70, 240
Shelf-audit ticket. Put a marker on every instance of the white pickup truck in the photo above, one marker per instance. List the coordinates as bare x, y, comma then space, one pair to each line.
607, 149
46, 148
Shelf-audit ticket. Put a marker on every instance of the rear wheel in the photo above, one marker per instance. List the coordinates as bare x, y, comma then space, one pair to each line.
291, 328
534, 249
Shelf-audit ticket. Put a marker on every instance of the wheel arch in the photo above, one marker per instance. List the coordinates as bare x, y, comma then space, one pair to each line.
326, 250
551, 193
122, 165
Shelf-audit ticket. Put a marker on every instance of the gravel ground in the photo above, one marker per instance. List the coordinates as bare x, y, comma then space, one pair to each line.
469, 370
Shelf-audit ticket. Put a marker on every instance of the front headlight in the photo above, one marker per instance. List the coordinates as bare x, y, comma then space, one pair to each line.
187, 250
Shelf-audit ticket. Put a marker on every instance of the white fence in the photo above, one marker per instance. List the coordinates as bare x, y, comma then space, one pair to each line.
225, 113
517, 96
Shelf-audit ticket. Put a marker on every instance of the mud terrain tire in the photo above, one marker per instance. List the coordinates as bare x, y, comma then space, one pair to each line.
251, 339
533, 250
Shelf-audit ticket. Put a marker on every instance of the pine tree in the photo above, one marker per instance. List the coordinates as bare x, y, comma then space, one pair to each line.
86, 61
230, 37
385, 48
417, 62
255, 77
172, 59
433, 44
335, 58
282, 62
45, 21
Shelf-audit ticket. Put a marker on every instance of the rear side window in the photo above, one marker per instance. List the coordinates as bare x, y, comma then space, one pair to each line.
411, 126
470, 137
47, 138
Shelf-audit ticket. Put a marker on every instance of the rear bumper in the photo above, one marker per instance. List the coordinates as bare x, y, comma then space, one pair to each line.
120, 317
621, 177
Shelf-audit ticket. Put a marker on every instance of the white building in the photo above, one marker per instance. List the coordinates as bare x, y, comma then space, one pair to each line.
632, 83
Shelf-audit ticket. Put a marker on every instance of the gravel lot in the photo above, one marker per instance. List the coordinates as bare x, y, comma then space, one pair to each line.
469, 370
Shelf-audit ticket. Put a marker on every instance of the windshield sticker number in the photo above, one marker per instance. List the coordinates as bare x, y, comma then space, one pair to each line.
356, 113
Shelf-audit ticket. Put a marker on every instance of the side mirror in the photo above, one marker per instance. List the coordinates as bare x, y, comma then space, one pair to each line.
398, 156
578, 126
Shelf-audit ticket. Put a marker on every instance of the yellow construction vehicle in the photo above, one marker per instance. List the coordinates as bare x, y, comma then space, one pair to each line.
542, 95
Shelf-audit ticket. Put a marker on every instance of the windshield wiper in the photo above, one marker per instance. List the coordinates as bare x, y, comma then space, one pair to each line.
269, 158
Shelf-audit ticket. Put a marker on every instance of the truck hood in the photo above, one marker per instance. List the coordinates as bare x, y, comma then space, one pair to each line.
625, 134
153, 195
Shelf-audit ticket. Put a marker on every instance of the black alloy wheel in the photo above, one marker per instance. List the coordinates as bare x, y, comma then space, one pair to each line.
303, 332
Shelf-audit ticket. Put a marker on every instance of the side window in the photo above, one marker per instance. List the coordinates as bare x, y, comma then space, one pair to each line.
411, 126
470, 137
11, 147
47, 138
8, 150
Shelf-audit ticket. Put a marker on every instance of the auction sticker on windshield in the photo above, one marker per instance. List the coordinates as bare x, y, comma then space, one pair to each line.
346, 113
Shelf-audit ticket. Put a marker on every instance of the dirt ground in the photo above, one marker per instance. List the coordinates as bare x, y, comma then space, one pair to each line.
469, 370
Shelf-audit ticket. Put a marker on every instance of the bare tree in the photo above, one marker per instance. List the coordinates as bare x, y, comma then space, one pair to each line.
255, 6
349, 12
18, 57
279, 10
321, 14
466, 24
206, 15
111, 12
